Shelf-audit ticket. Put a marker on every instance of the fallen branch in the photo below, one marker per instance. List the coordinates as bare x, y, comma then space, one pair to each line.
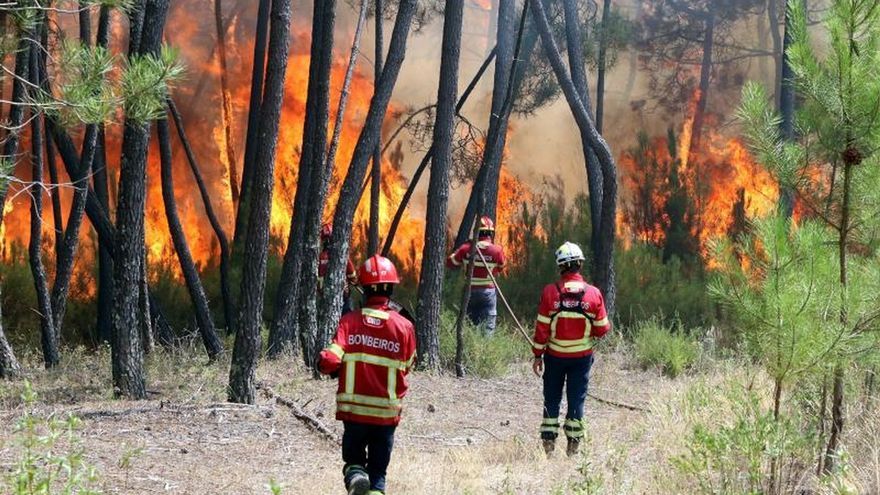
617, 404
312, 422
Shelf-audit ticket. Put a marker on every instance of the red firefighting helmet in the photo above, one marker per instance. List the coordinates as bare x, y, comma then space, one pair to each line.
378, 270
326, 231
486, 224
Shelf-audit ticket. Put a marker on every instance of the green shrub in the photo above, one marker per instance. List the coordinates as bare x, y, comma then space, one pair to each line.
49, 457
483, 356
667, 347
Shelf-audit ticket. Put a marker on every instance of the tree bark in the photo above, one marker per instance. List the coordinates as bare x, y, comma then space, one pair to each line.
252, 139
308, 312
126, 349
284, 326
786, 92
205, 322
431, 280
9, 367
600, 70
705, 78
49, 338
242, 386
231, 156
376, 171
595, 180
101, 193
331, 304
417, 175
222, 239
145, 321
603, 263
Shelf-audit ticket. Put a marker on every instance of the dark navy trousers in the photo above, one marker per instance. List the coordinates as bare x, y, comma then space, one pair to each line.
367, 448
573, 374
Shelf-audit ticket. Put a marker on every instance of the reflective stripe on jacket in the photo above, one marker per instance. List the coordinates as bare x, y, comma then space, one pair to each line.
373, 350
493, 254
569, 332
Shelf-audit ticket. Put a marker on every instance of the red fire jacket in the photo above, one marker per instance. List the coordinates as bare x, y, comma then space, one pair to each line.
568, 332
373, 351
324, 262
494, 255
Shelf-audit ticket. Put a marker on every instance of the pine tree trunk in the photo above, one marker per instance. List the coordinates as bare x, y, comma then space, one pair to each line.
145, 321
102, 195
376, 171
705, 78
308, 311
600, 70
595, 180
231, 156
49, 338
126, 349
331, 304
786, 93
284, 326
603, 268
9, 367
417, 175
205, 322
242, 386
222, 239
253, 139
434, 254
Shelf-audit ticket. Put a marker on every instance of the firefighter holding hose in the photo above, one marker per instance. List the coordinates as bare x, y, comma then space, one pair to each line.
571, 315
324, 261
482, 306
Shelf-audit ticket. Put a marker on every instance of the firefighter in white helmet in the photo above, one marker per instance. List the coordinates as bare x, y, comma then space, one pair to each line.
570, 316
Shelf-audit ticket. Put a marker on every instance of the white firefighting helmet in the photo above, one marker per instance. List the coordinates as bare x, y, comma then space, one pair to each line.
569, 252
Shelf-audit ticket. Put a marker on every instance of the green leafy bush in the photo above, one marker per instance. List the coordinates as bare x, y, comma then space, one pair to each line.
483, 356
50, 460
668, 347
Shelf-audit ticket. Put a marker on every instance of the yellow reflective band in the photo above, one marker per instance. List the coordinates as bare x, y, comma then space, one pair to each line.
574, 423
574, 434
392, 384
485, 265
367, 411
349, 376
539, 347
411, 361
483, 244
375, 313
571, 348
361, 357
336, 350
570, 315
454, 261
549, 429
544, 319
550, 421
368, 400
481, 282
601, 323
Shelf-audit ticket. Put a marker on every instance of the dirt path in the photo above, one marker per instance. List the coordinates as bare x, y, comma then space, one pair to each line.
458, 436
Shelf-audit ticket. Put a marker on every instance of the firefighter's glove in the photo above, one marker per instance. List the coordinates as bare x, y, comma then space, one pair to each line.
538, 366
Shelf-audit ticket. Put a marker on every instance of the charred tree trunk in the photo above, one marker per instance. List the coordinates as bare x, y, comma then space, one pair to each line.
376, 172
102, 195
252, 140
786, 93
222, 239
601, 69
490, 169
417, 175
431, 280
231, 156
308, 311
284, 326
705, 78
595, 180
331, 304
778, 48
126, 349
205, 322
242, 386
145, 321
55, 192
9, 367
49, 338
603, 265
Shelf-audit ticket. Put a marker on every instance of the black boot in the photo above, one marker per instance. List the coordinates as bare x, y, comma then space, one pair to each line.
574, 444
357, 482
549, 446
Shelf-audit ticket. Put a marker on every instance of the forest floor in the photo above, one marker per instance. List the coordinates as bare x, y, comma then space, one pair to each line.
457, 436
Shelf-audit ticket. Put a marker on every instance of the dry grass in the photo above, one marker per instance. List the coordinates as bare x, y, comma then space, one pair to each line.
475, 436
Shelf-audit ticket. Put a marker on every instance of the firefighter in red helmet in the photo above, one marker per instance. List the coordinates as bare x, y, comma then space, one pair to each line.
324, 261
372, 352
482, 305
